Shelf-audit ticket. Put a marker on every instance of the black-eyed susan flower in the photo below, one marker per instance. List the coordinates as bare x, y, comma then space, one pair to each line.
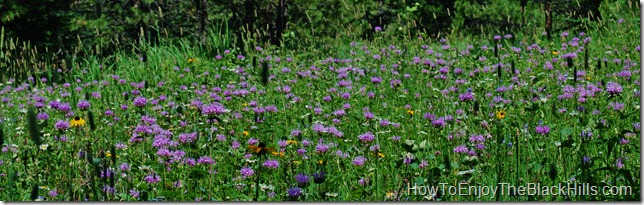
77, 122
260, 149
277, 154
245, 104
410, 112
322, 162
245, 133
291, 142
191, 60
555, 52
500, 114
381, 155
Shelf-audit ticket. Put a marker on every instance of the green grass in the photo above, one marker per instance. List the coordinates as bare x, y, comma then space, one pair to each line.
424, 155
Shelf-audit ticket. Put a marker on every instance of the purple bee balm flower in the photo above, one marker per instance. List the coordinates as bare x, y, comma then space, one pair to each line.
319, 128
187, 137
466, 97
246, 172
53, 193
83, 105
42, 116
359, 161
616, 105
295, 133
152, 178
321, 148
206, 160
252, 141
235, 145
271, 163
384, 123
368, 115
62, 125
636, 126
613, 88
477, 138
213, 109
124, 167
376, 80
302, 179
407, 160
440, 122
461, 149
619, 163
140, 101
366, 137
543, 130
64, 107
294, 192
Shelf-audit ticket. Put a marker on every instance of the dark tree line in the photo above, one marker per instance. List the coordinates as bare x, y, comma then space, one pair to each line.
70, 28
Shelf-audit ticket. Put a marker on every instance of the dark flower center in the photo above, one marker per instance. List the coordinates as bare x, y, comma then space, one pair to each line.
77, 118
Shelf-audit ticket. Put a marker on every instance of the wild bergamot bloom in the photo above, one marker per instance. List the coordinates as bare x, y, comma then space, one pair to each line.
77, 121
500, 114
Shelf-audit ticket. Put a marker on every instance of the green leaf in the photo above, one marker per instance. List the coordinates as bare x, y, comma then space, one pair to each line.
424, 145
420, 181
566, 131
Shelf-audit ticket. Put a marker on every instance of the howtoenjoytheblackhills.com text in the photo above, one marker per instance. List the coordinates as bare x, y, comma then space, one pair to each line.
506, 189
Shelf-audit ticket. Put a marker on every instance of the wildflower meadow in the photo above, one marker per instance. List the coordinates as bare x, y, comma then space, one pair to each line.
511, 116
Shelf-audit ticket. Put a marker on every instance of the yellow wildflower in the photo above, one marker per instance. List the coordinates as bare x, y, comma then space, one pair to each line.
76, 122
410, 112
280, 154
500, 114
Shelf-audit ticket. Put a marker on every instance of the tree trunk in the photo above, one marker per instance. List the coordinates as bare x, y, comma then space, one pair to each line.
523, 4
249, 16
548, 18
202, 6
277, 40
